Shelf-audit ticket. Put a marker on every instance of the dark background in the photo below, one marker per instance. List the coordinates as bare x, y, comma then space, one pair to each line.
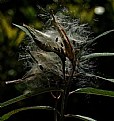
23, 11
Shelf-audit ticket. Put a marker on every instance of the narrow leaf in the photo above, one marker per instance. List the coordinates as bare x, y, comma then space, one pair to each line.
83, 118
94, 91
92, 75
11, 101
99, 36
24, 96
94, 55
93, 40
9, 114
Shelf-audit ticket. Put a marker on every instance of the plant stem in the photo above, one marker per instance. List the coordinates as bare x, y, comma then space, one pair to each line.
64, 95
55, 112
62, 106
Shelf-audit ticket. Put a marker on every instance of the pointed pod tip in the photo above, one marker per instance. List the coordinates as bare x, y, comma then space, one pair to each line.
14, 24
24, 24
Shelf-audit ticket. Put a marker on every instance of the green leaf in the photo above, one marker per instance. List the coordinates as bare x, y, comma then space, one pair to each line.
7, 115
93, 40
92, 75
19, 98
24, 96
94, 91
94, 55
83, 118
99, 36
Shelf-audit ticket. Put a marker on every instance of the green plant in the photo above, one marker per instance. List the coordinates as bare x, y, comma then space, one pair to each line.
58, 56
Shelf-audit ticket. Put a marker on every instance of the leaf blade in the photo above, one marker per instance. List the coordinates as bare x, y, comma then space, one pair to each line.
107, 79
93, 91
9, 114
99, 36
94, 55
25, 96
84, 118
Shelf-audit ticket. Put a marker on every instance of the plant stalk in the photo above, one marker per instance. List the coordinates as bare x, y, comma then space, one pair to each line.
62, 106
55, 112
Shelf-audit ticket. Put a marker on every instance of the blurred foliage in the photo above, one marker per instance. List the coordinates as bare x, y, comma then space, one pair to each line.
12, 34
